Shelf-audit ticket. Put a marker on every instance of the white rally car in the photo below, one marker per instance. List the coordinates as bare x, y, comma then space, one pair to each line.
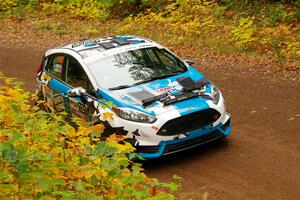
159, 101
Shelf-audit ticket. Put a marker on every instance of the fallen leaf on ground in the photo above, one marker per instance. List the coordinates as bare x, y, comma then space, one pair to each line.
205, 196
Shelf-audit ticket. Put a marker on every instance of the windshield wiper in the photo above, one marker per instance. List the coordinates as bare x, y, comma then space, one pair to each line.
120, 87
157, 78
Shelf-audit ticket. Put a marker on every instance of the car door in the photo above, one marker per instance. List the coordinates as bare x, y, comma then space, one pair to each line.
53, 86
75, 77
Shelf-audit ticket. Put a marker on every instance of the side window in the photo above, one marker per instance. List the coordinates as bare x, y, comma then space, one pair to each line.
75, 75
55, 66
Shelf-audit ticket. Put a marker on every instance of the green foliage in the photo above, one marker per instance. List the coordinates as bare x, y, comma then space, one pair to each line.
243, 34
276, 14
275, 44
90, 31
223, 25
58, 29
7, 5
44, 158
87, 9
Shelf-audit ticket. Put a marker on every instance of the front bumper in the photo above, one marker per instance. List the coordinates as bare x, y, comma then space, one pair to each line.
193, 139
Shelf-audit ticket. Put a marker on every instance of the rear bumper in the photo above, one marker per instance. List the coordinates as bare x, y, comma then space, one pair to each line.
193, 139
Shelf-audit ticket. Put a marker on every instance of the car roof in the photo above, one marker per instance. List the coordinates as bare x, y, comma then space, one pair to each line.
104, 46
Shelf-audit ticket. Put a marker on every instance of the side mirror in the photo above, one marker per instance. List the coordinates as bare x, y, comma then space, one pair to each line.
190, 62
93, 93
76, 92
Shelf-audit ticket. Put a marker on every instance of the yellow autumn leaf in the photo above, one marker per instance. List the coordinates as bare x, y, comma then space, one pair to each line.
110, 104
98, 128
107, 115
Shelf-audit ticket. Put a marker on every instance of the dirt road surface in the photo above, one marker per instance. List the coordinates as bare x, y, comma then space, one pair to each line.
259, 160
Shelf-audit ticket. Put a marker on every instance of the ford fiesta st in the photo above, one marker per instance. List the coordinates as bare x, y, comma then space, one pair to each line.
159, 101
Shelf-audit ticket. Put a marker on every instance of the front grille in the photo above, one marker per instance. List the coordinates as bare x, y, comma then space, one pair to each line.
180, 146
172, 148
189, 122
147, 149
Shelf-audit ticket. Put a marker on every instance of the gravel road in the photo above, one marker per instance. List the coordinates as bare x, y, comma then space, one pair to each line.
259, 160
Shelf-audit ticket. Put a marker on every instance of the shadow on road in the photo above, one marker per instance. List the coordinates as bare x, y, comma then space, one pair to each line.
187, 156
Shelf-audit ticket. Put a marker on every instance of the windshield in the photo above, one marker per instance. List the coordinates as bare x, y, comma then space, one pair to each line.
133, 67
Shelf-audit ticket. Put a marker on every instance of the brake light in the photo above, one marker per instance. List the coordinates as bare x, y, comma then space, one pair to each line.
39, 70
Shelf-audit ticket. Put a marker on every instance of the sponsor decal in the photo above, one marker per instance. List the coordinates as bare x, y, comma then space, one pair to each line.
187, 109
155, 128
169, 89
45, 78
78, 109
82, 108
87, 42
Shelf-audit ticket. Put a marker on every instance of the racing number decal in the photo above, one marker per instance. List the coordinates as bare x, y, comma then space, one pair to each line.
79, 109
82, 108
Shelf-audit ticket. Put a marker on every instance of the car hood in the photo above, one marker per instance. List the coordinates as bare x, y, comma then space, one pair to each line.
122, 97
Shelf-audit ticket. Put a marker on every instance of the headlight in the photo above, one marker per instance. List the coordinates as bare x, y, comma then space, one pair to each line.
215, 94
133, 115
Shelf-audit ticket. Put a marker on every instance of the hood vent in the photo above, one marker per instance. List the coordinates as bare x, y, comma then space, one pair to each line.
189, 84
191, 89
146, 97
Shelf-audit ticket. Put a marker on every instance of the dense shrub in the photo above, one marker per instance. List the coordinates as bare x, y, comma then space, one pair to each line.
263, 26
88, 9
249, 26
243, 33
41, 157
